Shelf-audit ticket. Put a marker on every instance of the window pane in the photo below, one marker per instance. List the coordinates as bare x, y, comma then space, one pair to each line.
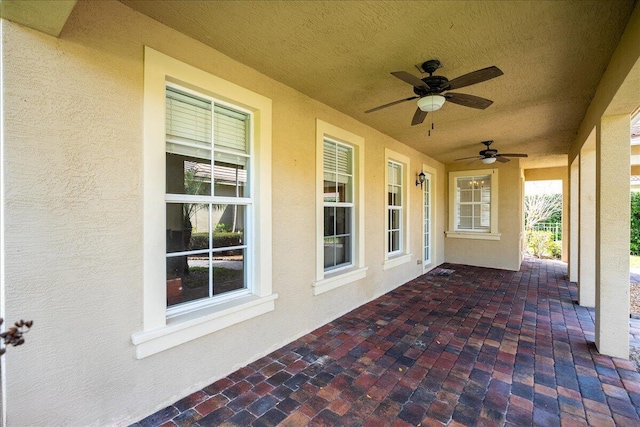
198, 219
329, 252
230, 176
465, 223
344, 160
329, 156
188, 175
188, 120
343, 221
345, 185
187, 226
466, 196
466, 210
343, 250
394, 219
187, 278
395, 195
395, 174
329, 221
230, 130
228, 271
330, 188
394, 241
228, 225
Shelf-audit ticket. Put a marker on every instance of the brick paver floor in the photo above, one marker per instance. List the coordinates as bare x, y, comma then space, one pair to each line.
481, 347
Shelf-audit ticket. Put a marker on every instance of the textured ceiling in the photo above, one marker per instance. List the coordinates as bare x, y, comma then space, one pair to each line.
552, 53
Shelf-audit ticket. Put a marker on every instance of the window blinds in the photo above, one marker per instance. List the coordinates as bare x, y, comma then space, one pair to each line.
337, 160
189, 128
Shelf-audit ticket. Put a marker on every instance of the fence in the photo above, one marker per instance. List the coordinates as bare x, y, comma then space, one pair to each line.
554, 227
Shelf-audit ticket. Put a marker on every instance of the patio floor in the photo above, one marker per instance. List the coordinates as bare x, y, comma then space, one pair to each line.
481, 347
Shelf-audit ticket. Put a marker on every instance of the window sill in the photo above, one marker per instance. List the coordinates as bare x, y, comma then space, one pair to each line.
396, 261
195, 324
338, 279
474, 236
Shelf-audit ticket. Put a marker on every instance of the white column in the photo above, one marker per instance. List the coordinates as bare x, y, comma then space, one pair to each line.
587, 225
612, 235
574, 206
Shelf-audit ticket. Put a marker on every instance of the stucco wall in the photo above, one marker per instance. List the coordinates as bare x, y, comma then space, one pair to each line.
503, 253
73, 158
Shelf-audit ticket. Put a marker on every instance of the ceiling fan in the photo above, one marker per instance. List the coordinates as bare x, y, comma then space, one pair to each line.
490, 155
429, 90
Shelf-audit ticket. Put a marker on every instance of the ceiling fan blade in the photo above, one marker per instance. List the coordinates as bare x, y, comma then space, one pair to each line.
468, 100
391, 103
411, 79
513, 155
469, 158
501, 159
474, 77
418, 117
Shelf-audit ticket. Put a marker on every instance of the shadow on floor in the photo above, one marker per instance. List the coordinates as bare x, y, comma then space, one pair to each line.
478, 347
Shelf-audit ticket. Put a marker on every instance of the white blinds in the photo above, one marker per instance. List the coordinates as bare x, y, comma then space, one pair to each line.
337, 160
230, 130
189, 129
188, 119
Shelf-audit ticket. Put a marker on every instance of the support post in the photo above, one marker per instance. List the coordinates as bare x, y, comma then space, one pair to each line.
612, 235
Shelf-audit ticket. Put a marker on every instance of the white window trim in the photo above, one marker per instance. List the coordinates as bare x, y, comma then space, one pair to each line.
394, 260
493, 234
431, 176
328, 280
160, 332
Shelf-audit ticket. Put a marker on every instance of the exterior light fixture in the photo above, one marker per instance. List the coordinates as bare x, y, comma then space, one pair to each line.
431, 102
420, 180
488, 160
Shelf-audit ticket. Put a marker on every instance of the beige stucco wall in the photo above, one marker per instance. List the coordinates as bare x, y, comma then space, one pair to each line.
506, 252
73, 158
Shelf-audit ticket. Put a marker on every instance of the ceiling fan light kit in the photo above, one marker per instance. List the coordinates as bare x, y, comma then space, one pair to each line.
488, 160
431, 103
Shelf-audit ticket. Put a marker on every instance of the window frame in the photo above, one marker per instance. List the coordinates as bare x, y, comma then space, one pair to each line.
247, 201
160, 331
327, 280
338, 204
428, 195
402, 256
453, 231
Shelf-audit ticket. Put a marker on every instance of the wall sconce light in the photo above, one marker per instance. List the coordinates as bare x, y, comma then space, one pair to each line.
420, 180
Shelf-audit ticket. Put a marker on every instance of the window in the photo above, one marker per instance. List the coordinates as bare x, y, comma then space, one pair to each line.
338, 205
473, 204
397, 197
428, 220
207, 205
394, 208
340, 201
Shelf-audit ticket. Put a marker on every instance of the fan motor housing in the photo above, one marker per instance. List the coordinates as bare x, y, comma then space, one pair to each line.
436, 84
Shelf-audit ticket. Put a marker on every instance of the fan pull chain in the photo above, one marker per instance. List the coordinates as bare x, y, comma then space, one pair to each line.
432, 127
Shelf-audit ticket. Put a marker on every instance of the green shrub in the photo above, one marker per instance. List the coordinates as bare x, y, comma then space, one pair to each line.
540, 244
634, 246
555, 249
220, 240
